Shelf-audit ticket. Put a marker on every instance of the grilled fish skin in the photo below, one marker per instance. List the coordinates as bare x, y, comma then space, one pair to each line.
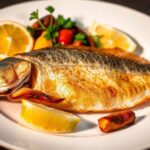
90, 79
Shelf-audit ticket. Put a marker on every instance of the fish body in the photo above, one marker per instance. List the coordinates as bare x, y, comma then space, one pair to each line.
87, 79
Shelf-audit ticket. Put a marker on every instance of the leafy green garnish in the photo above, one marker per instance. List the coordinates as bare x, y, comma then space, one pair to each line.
69, 23
60, 20
34, 15
85, 42
65, 23
79, 36
50, 9
30, 29
96, 40
56, 34
52, 32
57, 45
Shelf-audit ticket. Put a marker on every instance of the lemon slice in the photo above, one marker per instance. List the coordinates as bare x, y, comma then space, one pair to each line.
48, 119
14, 39
111, 38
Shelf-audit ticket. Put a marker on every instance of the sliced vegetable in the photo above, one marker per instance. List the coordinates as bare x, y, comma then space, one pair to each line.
42, 42
65, 36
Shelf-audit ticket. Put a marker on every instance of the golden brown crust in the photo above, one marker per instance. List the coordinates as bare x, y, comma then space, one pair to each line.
109, 84
117, 52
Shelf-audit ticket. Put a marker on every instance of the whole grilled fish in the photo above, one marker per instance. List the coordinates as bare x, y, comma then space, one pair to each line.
77, 79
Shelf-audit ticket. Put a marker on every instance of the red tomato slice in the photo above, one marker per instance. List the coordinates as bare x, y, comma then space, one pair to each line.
65, 36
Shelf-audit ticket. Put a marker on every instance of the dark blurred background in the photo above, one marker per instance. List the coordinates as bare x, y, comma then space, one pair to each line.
140, 5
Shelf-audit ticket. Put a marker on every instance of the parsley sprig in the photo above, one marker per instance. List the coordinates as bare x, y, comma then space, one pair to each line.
35, 15
50, 9
53, 28
81, 37
65, 23
96, 40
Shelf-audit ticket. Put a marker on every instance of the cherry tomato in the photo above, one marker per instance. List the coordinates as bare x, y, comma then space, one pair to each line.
65, 36
77, 43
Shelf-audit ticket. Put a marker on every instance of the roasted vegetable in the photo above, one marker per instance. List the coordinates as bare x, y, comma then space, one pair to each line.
65, 36
116, 121
42, 42
58, 31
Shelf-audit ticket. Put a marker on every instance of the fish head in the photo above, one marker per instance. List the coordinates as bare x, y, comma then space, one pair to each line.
14, 72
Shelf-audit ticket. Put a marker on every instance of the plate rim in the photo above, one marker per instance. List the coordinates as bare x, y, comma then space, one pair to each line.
95, 1
10, 146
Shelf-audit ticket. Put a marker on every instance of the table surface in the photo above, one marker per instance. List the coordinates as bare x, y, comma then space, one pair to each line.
140, 5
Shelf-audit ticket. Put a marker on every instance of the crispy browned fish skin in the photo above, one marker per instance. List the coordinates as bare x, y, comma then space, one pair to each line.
91, 80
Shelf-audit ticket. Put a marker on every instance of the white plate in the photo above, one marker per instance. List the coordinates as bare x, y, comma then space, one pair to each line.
87, 135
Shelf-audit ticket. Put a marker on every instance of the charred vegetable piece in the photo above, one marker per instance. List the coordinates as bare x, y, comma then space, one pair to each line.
116, 121
45, 20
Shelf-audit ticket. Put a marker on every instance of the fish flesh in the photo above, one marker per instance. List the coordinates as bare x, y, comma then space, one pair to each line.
77, 79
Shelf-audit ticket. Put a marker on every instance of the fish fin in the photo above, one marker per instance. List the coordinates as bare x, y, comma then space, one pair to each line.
34, 96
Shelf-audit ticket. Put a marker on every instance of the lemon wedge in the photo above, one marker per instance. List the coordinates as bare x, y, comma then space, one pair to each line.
14, 39
48, 119
111, 38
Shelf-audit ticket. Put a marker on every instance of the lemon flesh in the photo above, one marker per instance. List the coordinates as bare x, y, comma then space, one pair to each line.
111, 37
15, 39
48, 119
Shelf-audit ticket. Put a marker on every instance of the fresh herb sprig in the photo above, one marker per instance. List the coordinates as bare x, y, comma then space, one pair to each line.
65, 23
50, 9
81, 37
35, 15
96, 40
30, 30
52, 29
